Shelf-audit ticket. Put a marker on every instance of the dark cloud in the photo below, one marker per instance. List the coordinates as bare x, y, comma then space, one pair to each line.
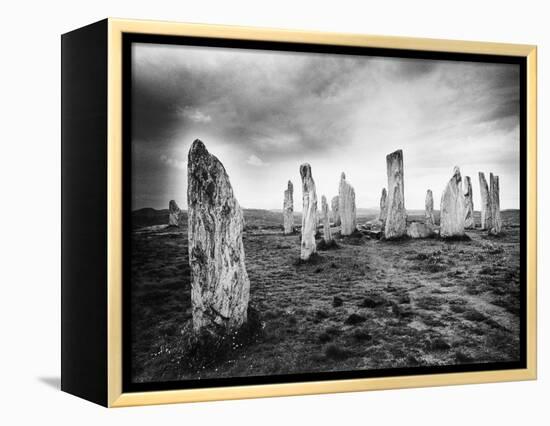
250, 103
412, 69
277, 108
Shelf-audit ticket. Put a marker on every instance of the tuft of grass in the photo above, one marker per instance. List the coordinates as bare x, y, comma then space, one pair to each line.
314, 259
473, 315
333, 351
337, 302
429, 303
404, 299
321, 314
438, 344
325, 337
402, 312
372, 302
454, 238
333, 330
488, 270
331, 245
457, 309
355, 319
361, 335
462, 358
207, 349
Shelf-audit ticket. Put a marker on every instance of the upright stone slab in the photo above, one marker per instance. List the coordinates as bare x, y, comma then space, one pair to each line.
174, 213
309, 213
429, 209
485, 202
335, 214
383, 214
288, 210
469, 222
419, 230
452, 208
220, 286
325, 220
346, 207
396, 222
496, 220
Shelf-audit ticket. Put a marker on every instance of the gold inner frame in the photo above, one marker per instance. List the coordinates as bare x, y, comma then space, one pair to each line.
116, 398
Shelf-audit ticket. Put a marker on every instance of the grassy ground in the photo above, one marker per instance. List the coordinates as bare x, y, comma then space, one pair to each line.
368, 304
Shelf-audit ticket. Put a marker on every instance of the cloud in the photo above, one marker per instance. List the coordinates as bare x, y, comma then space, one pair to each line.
194, 115
255, 161
337, 112
173, 162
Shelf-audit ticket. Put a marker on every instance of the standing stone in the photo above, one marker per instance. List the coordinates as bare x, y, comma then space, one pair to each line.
469, 222
346, 207
485, 203
309, 213
496, 225
419, 230
324, 218
174, 213
452, 208
383, 206
429, 209
396, 222
288, 210
220, 286
335, 214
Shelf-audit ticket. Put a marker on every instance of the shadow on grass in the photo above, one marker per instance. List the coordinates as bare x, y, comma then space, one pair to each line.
314, 259
331, 245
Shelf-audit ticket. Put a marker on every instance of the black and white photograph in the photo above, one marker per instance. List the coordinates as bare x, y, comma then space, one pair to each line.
305, 213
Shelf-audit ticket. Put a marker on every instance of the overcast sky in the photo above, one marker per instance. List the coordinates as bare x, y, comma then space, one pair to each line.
263, 113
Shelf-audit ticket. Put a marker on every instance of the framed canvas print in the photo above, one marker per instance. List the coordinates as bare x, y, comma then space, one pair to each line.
250, 212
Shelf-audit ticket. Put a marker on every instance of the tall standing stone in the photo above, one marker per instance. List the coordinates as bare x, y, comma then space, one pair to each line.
220, 286
396, 222
325, 220
346, 207
496, 220
469, 222
452, 208
383, 206
485, 202
174, 213
309, 213
288, 210
335, 213
429, 209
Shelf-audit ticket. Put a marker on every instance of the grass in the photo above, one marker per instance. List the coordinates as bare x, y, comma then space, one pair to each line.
331, 245
337, 353
409, 295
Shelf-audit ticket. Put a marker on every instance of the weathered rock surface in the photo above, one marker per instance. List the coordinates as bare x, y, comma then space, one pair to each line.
485, 202
429, 209
396, 222
419, 230
496, 220
288, 210
452, 208
335, 214
327, 236
309, 213
374, 224
383, 206
346, 207
174, 214
469, 222
220, 286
